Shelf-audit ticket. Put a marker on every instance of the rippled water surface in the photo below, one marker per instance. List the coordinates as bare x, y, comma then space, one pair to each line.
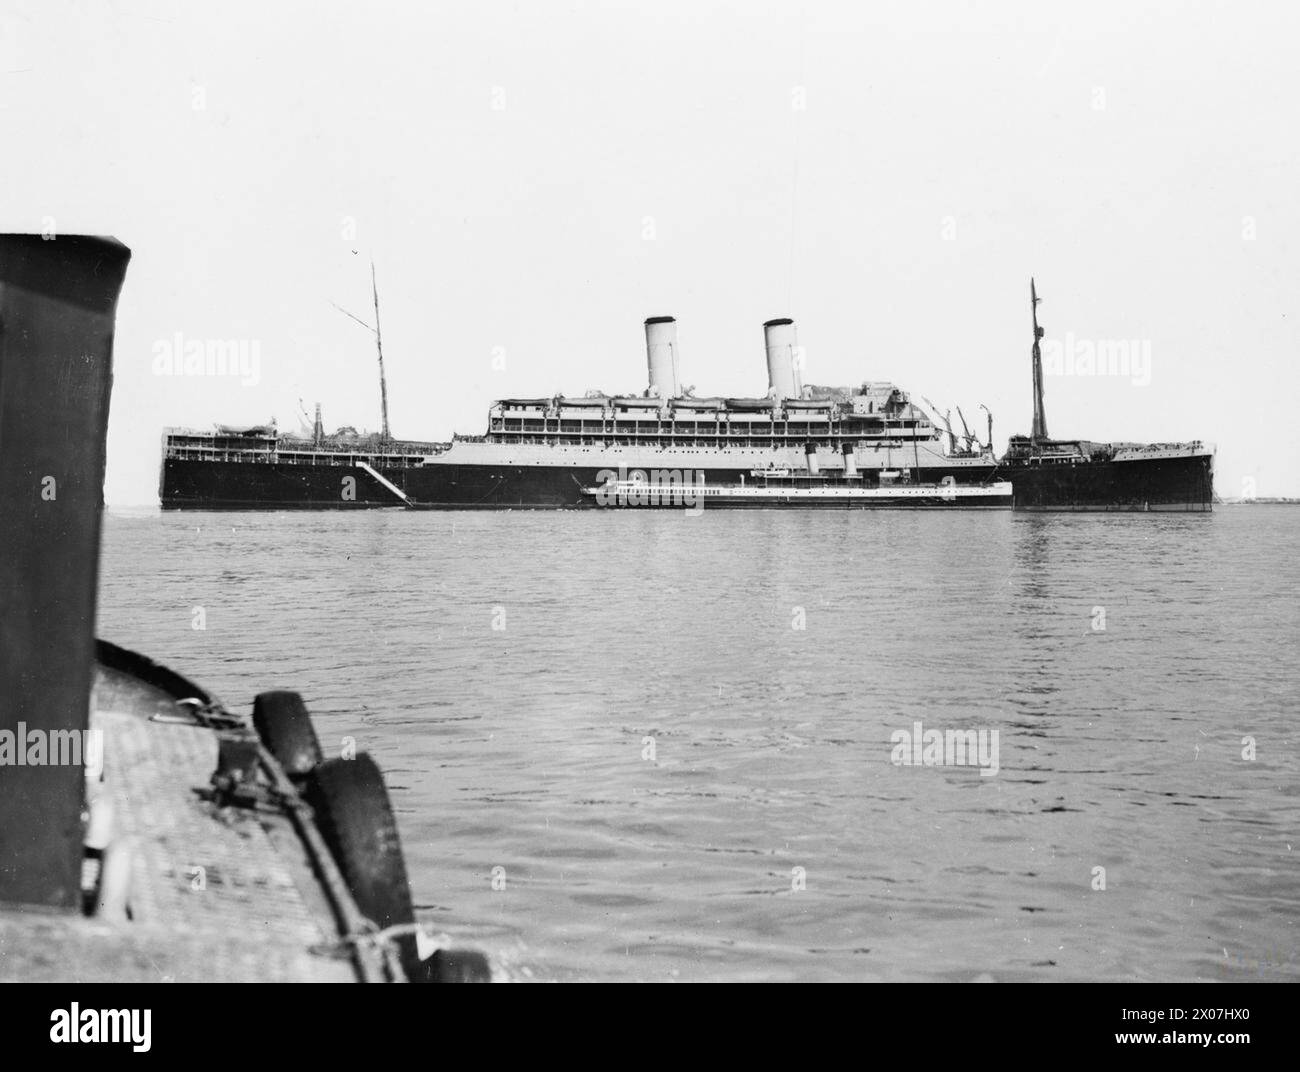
620, 711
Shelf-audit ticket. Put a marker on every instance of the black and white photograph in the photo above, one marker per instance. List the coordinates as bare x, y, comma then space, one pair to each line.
792, 491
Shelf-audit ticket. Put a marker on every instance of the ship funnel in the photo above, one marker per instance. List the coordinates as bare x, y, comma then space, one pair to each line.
810, 453
661, 355
850, 462
783, 379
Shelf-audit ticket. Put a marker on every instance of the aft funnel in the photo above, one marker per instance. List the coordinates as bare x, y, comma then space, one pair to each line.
661, 355
783, 379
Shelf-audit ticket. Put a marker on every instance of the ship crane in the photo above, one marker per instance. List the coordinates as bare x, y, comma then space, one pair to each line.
969, 439
990, 413
947, 423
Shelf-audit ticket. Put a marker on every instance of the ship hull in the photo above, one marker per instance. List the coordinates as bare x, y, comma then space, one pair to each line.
239, 485
1177, 484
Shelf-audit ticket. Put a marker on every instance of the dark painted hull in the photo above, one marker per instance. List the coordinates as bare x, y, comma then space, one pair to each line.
1179, 484
208, 485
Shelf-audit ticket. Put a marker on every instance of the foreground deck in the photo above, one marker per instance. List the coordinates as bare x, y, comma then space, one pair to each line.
215, 893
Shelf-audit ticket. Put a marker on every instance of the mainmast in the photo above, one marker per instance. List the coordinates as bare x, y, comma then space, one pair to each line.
1040, 418
379, 346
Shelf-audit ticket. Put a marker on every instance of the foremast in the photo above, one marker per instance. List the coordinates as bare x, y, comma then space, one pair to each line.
379, 346
1039, 433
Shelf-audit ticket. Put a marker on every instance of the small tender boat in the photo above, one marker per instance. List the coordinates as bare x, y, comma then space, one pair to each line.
812, 488
775, 492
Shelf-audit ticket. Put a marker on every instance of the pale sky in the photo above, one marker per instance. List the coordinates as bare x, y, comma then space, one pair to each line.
540, 177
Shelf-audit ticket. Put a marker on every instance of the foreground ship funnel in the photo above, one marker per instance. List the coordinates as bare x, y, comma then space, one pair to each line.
661, 355
783, 378
57, 304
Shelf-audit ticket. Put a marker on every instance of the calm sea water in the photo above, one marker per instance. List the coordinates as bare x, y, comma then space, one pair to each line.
621, 712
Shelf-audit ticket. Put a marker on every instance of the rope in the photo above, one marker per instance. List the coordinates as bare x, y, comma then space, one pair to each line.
206, 714
369, 938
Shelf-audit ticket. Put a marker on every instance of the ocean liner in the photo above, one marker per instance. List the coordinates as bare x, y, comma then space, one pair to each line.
796, 446
1074, 474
